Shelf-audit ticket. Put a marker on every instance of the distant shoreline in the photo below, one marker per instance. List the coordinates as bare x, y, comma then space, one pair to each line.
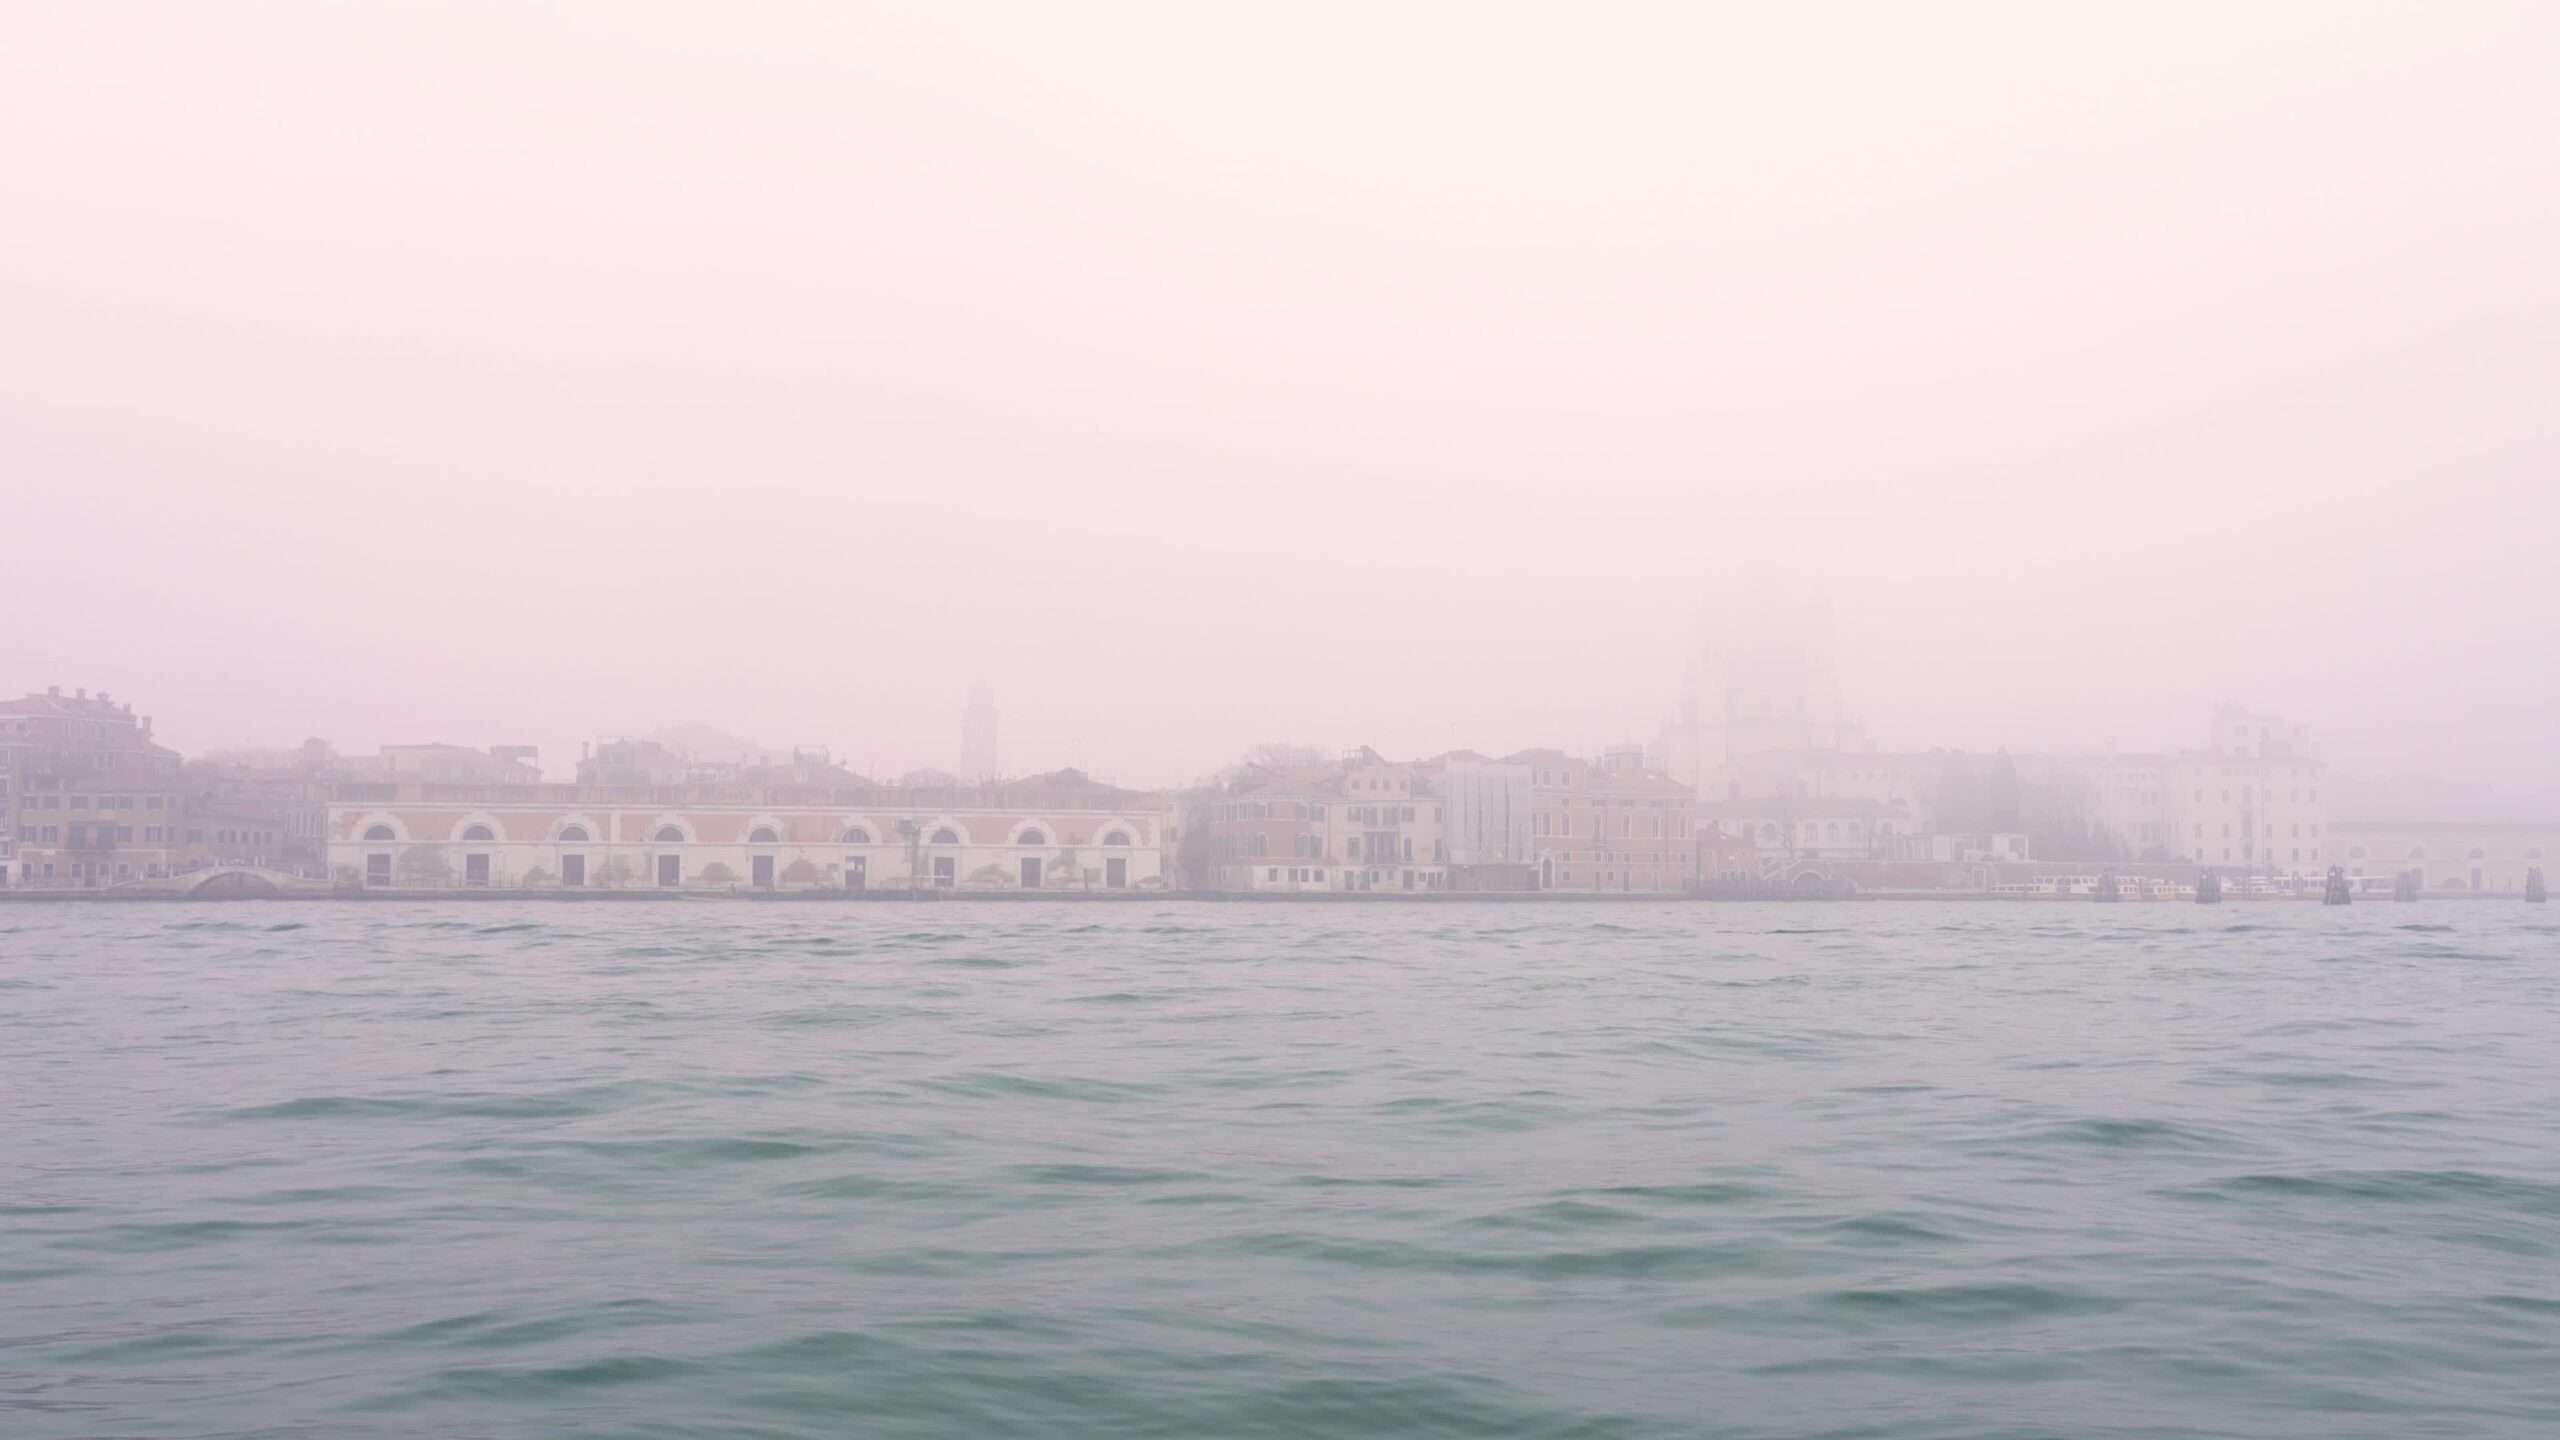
1128, 897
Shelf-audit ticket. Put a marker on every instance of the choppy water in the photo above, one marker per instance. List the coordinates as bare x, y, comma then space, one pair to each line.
1238, 1170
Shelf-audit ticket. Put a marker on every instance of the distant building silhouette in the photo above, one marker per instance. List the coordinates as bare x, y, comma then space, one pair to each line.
1765, 680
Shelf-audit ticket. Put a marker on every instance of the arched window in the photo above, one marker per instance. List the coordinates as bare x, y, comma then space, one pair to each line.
1831, 831
856, 835
573, 835
2479, 854
1032, 836
670, 835
1121, 837
379, 834
944, 836
478, 832
762, 835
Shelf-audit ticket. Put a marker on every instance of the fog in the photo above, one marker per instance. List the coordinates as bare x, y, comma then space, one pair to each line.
1419, 376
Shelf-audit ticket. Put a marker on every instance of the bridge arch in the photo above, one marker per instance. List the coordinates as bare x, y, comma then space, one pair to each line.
236, 884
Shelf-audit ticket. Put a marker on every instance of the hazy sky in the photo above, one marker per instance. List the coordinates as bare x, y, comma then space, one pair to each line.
1200, 374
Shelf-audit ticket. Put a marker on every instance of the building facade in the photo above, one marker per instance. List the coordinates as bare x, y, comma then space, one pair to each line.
1060, 832
2449, 857
1610, 826
87, 798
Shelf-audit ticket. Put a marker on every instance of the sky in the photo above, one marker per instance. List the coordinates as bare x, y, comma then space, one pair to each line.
1417, 375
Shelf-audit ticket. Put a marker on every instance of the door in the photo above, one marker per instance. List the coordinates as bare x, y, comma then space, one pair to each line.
377, 869
760, 870
573, 871
475, 870
944, 869
1030, 872
1115, 873
670, 870
857, 872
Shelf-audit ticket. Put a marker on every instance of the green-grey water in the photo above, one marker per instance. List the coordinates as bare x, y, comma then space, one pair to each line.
1165, 1169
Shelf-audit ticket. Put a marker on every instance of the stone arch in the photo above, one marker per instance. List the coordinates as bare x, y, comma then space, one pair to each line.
665, 825
1033, 832
234, 885
461, 834
1115, 836
764, 835
856, 833
381, 830
943, 831
575, 830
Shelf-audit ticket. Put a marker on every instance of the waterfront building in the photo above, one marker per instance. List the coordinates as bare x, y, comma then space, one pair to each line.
2249, 800
1615, 825
1364, 824
1727, 863
1488, 826
808, 825
87, 798
1789, 830
2449, 857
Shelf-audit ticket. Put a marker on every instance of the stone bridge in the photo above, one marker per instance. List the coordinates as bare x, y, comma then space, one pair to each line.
231, 882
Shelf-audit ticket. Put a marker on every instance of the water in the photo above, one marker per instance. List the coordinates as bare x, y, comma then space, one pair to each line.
1162, 1169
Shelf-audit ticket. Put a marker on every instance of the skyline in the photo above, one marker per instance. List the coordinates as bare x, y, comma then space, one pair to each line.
1209, 378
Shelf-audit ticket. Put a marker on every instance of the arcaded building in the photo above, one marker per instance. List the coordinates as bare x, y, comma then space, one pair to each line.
1058, 832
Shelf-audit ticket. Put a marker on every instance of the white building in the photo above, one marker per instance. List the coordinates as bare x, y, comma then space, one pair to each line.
1058, 832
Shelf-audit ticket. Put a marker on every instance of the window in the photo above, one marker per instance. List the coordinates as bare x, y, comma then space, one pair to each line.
573, 835
1121, 837
670, 835
856, 835
763, 835
479, 833
945, 836
1032, 836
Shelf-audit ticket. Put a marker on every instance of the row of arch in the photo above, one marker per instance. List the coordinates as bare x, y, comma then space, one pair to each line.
482, 832
2419, 852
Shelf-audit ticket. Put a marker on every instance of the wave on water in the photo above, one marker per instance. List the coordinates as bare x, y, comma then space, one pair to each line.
1014, 1171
